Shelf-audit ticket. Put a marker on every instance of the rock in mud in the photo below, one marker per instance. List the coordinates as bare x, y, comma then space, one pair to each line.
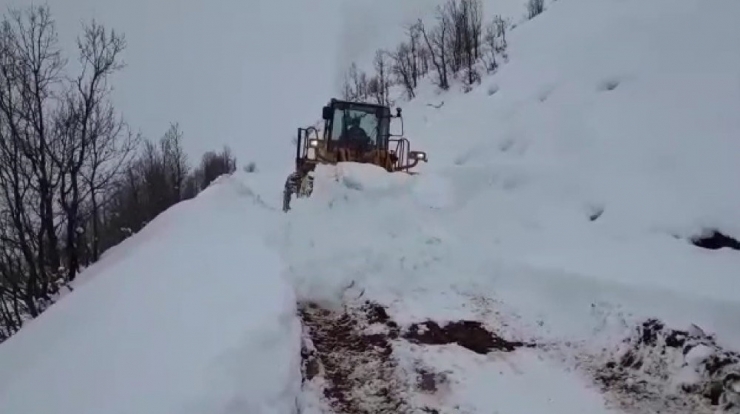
659, 369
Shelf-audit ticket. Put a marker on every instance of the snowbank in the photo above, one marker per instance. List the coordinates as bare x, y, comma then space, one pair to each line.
191, 316
603, 146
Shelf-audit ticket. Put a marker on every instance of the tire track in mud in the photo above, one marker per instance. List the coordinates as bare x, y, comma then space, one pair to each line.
356, 363
348, 354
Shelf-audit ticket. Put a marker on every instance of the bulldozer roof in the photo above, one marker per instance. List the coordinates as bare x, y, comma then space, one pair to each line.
340, 103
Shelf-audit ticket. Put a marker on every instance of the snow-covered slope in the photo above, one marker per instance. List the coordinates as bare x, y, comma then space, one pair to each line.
517, 273
188, 316
623, 113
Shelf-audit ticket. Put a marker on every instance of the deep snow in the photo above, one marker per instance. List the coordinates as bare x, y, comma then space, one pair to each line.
622, 108
188, 316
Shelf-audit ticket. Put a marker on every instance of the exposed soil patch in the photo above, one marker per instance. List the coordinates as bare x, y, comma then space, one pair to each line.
468, 334
660, 369
354, 355
715, 240
374, 313
347, 354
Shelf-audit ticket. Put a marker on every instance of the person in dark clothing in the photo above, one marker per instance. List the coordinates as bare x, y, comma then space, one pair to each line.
355, 133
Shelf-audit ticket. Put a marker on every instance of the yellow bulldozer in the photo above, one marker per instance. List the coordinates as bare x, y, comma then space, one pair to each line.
352, 132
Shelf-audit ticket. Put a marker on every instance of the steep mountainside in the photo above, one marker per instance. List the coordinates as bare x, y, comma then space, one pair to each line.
541, 262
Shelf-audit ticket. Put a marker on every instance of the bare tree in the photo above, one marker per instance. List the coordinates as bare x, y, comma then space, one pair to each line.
502, 26
213, 165
535, 7
88, 129
175, 162
358, 81
108, 144
410, 60
154, 181
474, 15
456, 47
379, 85
348, 94
471, 21
436, 45
412, 52
250, 168
404, 68
110, 156
495, 42
125, 212
424, 61
463, 39
452, 16
72, 179
30, 74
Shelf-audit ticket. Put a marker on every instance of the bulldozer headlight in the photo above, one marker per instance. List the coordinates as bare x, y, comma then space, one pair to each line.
418, 155
313, 143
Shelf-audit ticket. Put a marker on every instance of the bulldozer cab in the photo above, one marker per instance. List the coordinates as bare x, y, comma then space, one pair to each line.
356, 132
349, 124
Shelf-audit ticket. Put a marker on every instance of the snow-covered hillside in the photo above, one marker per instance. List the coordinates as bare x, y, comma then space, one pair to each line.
540, 263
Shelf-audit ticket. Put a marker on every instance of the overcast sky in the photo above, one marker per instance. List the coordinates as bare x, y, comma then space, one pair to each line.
236, 72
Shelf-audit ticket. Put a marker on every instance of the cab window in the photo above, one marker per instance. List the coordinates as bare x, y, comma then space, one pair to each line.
345, 119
